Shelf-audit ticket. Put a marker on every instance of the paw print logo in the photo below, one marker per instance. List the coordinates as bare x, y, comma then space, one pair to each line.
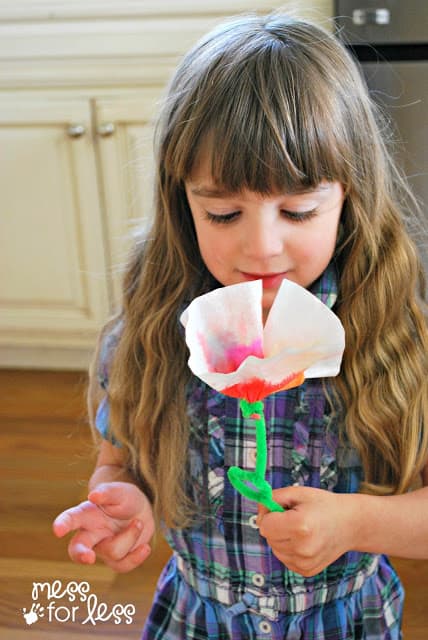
36, 612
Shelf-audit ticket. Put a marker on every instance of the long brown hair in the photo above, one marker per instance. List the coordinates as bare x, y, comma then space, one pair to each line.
278, 104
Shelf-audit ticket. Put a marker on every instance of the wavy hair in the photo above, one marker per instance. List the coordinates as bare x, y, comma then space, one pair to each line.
278, 104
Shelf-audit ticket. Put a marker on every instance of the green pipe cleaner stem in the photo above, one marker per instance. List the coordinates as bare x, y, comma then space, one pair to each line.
252, 484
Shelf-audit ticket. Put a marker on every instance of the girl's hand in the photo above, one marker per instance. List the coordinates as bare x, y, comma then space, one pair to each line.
115, 523
317, 527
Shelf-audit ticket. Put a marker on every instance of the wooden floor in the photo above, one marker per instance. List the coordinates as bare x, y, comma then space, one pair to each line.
45, 459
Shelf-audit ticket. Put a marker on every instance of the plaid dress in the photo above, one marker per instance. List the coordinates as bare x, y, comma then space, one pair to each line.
223, 580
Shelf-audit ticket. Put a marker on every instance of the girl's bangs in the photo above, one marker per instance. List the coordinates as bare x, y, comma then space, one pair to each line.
259, 144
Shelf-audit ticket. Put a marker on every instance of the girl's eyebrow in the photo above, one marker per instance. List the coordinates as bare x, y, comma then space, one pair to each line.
213, 192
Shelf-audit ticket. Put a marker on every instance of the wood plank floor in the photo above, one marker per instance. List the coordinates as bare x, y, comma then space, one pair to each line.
46, 457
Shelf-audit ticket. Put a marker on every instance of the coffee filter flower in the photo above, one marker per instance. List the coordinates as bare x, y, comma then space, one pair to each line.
232, 352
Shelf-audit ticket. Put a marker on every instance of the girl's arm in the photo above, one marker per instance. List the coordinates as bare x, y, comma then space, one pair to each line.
395, 525
319, 526
110, 466
115, 523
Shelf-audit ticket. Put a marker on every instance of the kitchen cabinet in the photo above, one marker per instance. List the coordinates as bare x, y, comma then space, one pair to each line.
74, 174
50, 223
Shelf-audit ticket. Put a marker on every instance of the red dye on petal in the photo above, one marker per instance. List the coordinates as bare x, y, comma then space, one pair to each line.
257, 389
251, 390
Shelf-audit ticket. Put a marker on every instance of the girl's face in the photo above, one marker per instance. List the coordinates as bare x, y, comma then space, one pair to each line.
247, 236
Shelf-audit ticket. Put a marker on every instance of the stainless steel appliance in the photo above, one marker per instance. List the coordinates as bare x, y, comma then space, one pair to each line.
390, 40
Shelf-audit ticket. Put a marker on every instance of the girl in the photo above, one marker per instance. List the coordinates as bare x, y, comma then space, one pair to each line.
270, 165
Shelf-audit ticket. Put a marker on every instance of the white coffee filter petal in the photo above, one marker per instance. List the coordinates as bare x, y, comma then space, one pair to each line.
221, 321
297, 319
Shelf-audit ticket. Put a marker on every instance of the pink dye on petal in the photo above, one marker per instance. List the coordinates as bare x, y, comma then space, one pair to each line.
227, 360
237, 354
257, 389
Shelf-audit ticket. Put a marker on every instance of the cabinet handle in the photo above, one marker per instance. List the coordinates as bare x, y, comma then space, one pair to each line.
76, 130
106, 129
371, 16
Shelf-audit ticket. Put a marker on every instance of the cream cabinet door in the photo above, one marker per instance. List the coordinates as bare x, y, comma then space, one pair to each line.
124, 127
53, 289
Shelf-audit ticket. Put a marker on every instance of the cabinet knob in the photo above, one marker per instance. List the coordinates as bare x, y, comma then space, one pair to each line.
76, 130
106, 129
362, 17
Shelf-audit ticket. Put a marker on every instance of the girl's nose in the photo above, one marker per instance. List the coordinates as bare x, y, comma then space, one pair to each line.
262, 238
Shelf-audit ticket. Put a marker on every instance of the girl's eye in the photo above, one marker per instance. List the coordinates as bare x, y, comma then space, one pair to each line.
224, 218
299, 216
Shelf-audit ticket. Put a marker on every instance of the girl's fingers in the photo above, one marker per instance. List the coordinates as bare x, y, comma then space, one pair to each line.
71, 519
81, 547
118, 499
262, 511
118, 547
83, 516
82, 554
62, 525
132, 560
112, 525
107, 494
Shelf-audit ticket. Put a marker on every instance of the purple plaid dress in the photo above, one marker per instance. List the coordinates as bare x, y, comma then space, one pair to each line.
223, 580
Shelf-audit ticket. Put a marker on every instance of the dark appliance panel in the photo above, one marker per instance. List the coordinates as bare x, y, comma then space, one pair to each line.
390, 40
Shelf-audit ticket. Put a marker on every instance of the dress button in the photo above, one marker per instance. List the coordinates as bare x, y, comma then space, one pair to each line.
252, 521
265, 626
258, 580
252, 455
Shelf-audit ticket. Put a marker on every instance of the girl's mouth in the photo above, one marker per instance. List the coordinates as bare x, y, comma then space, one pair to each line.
270, 280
